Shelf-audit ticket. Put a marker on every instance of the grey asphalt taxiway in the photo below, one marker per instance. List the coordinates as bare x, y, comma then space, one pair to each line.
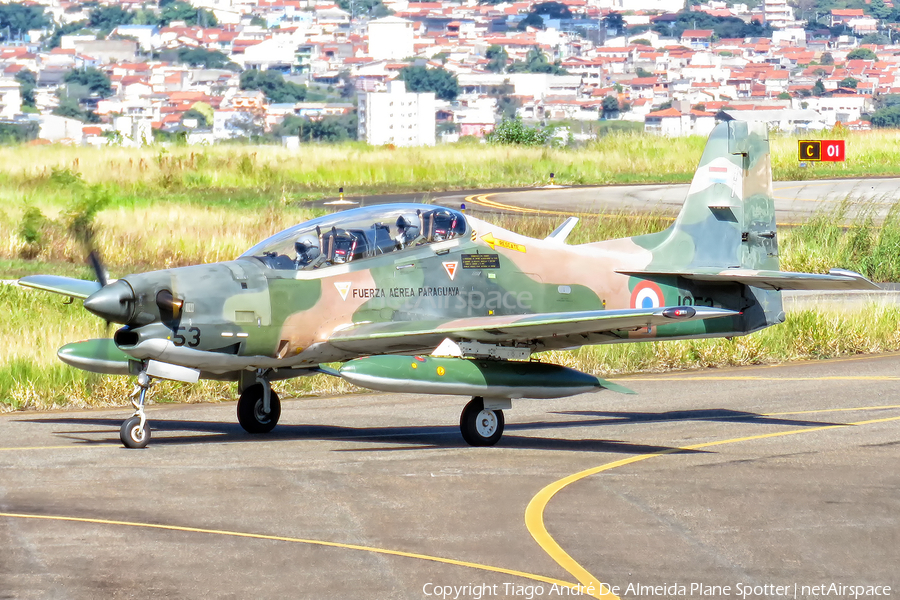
795, 201
745, 481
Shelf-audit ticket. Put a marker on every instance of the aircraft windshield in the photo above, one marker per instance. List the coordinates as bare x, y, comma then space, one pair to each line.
357, 234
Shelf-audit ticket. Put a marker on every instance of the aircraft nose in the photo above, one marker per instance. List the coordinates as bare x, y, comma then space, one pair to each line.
114, 302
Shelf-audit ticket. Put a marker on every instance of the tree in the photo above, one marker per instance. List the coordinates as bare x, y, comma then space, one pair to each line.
887, 117
641, 72
27, 81
614, 21
208, 59
723, 27
69, 107
195, 114
365, 8
337, 128
182, 11
879, 10
273, 85
876, 39
827, 59
107, 18
818, 88
552, 10
784, 96
531, 20
347, 87
848, 82
69, 28
21, 18
514, 132
609, 108
94, 80
206, 110
536, 62
497, 58
861, 54
440, 81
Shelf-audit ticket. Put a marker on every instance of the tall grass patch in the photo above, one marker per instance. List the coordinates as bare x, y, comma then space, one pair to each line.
831, 239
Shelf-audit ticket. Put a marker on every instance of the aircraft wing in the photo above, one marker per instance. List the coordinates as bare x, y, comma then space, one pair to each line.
836, 279
67, 286
416, 334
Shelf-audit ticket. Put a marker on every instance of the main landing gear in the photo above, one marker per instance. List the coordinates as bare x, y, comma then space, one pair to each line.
135, 433
481, 423
258, 408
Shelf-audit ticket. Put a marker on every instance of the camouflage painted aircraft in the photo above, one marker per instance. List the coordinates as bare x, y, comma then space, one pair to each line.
423, 299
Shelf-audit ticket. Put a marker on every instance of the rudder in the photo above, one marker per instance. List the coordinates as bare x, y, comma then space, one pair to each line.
728, 216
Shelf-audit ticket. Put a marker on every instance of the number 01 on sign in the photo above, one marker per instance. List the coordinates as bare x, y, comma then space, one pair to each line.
821, 150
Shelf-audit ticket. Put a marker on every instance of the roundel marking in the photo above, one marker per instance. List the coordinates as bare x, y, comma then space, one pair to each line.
646, 294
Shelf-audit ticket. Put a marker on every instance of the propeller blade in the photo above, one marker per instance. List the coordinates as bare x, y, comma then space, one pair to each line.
93, 259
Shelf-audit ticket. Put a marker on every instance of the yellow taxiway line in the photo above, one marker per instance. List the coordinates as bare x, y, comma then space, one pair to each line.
278, 538
483, 200
534, 512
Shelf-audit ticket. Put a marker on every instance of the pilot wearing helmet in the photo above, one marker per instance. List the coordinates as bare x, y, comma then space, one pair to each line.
406, 232
307, 248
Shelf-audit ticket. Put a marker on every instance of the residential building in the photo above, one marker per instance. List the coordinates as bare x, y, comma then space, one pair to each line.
391, 38
397, 117
10, 98
778, 14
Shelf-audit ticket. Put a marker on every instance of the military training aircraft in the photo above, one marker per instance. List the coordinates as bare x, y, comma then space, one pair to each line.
424, 299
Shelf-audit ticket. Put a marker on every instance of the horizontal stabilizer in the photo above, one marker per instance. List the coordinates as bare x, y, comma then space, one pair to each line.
837, 279
67, 286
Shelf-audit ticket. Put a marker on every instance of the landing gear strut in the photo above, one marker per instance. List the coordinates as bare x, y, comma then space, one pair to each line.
259, 408
481, 426
135, 433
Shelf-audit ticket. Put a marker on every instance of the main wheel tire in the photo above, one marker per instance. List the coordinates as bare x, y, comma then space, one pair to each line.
480, 426
132, 435
250, 410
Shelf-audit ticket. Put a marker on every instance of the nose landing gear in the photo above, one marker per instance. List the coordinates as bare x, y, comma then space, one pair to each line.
135, 433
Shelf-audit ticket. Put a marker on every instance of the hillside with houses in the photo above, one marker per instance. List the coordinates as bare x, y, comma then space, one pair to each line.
420, 73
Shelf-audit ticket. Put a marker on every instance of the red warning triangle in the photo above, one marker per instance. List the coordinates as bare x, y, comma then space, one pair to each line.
450, 267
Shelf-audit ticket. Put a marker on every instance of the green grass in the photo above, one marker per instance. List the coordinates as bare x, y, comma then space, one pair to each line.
165, 208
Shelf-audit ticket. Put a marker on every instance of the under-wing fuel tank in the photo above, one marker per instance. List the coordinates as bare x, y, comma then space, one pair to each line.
471, 377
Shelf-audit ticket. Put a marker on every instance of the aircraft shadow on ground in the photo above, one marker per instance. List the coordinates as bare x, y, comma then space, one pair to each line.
417, 437
420, 437
706, 414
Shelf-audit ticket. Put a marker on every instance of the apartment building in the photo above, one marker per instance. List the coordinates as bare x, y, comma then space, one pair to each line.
397, 117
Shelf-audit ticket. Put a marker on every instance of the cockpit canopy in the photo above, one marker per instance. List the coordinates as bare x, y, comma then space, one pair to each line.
358, 234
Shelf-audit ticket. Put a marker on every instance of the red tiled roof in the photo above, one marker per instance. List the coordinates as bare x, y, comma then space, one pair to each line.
668, 112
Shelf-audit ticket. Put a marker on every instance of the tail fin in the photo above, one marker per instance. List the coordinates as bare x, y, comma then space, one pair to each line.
728, 217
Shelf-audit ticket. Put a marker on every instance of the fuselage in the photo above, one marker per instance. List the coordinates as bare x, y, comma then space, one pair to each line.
262, 310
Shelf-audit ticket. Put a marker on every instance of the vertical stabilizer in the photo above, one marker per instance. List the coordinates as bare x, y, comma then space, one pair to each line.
728, 217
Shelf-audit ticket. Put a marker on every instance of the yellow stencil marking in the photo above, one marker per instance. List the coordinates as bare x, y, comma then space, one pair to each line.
491, 241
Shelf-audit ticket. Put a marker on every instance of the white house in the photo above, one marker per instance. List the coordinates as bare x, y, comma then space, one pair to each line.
391, 38
10, 98
397, 117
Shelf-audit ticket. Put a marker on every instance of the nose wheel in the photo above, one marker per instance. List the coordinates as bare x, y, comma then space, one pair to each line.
135, 433
481, 426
